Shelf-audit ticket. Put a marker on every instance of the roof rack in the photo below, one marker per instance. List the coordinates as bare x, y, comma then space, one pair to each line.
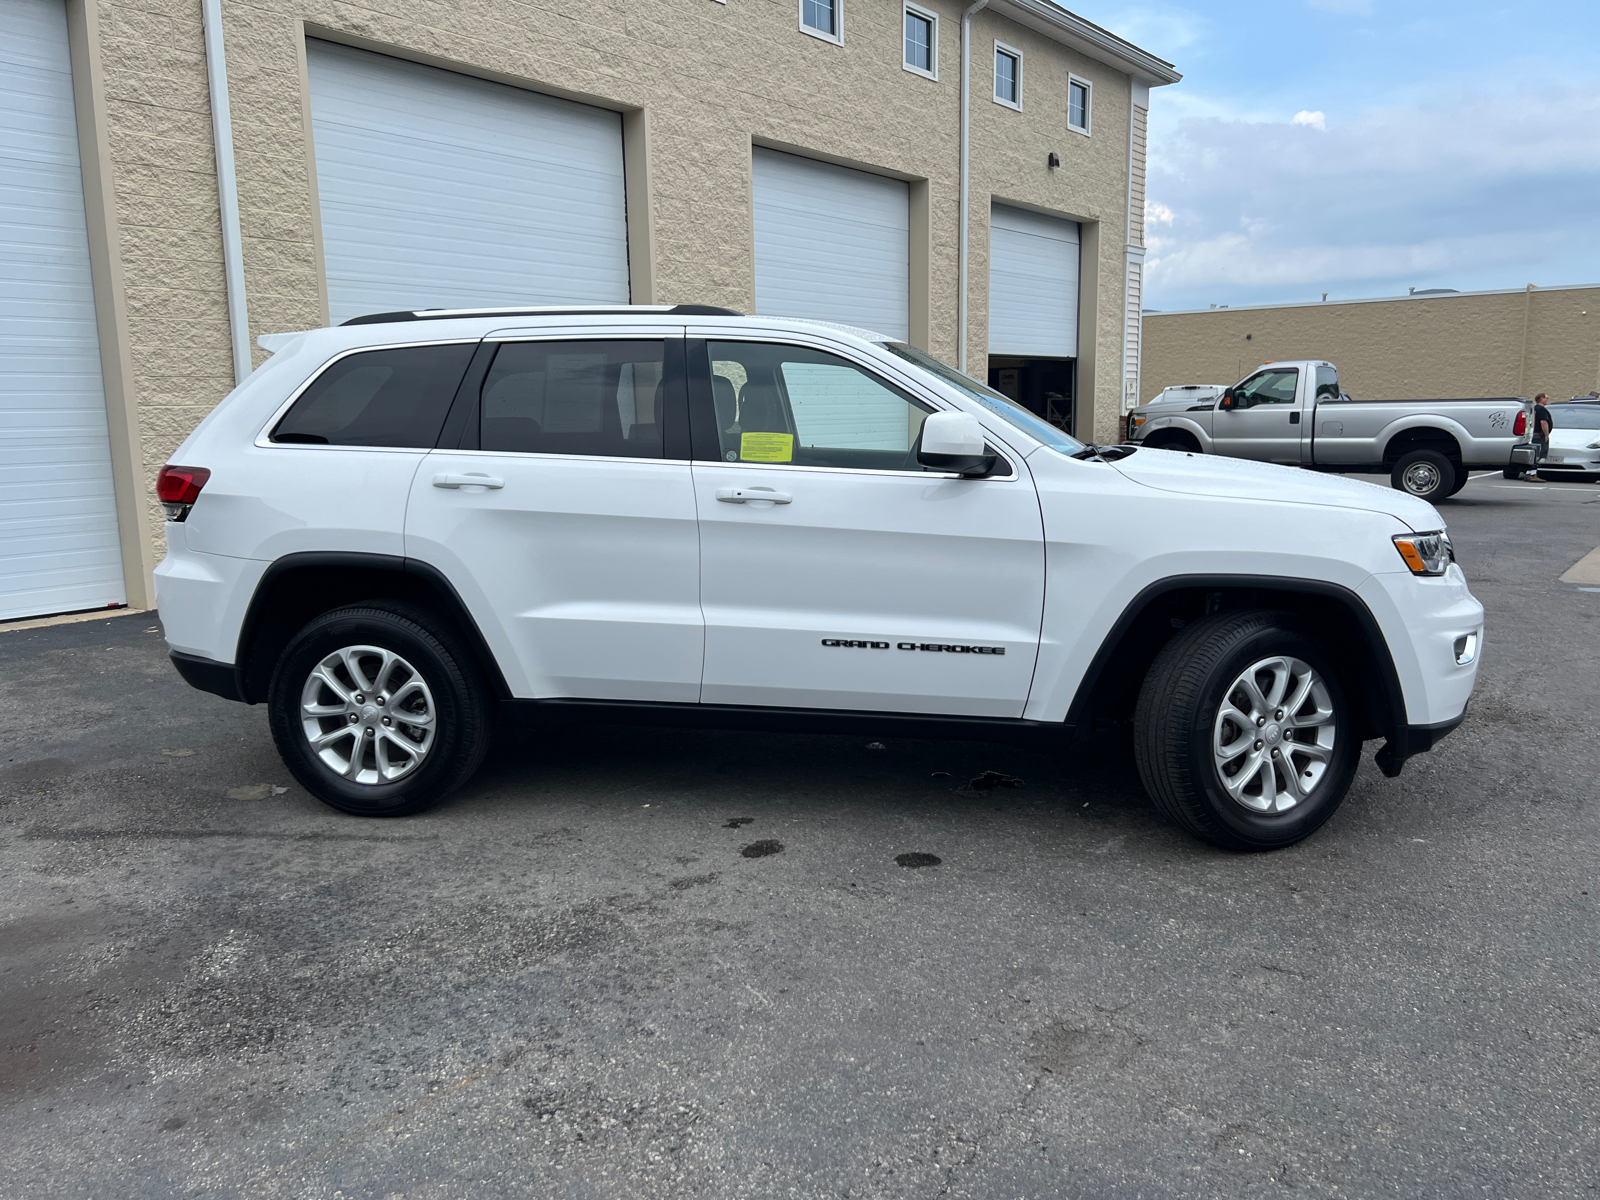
595, 310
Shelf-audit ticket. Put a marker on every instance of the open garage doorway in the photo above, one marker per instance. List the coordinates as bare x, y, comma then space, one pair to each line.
1044, 386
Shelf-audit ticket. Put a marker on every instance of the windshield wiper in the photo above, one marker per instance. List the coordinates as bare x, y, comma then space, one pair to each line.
1093, 453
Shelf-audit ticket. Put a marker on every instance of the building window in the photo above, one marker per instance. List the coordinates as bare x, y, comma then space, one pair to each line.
1078, 95
922, 41
820, 18
1007, 76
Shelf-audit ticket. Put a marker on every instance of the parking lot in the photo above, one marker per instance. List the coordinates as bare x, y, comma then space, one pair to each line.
569, 980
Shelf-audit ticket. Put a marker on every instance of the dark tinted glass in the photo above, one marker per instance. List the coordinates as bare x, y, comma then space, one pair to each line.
1327, 383
379, 398
600, 398
1078, 105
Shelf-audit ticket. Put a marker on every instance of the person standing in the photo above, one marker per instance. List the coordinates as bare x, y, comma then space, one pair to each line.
1543, 423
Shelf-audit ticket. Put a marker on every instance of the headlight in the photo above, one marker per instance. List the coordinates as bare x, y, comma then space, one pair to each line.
1137, 420
1426, 553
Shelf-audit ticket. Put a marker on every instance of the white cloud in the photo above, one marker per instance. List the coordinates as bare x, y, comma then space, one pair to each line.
1154, 211
1462, 190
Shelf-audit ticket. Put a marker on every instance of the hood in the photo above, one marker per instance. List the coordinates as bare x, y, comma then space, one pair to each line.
1239, 478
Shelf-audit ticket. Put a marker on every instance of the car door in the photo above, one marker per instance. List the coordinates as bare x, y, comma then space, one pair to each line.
565, 513
1265, 420
836, 573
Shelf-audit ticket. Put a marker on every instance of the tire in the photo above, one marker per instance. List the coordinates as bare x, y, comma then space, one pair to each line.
402, 766
1511, 472
1182, 717
1425, 474
1462, 476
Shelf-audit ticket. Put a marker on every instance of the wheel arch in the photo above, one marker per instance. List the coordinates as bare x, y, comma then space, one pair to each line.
1440, 437
1176, 423
1332, 614
297, 588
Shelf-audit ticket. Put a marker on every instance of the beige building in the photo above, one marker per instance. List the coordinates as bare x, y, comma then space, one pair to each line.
201, 172
1427, 345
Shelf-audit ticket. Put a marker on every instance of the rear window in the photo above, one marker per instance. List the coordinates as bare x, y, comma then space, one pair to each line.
395, 398
1575, 416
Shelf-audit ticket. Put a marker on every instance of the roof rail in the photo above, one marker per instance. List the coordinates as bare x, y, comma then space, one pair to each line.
594, 310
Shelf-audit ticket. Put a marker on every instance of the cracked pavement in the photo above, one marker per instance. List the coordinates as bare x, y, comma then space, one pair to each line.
569, 980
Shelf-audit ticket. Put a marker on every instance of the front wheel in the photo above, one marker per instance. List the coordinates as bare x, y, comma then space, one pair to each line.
377, 710
1242, 733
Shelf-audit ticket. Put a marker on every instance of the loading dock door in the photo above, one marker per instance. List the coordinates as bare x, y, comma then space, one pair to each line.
59, 547
1033, 285
440, 190
832, 243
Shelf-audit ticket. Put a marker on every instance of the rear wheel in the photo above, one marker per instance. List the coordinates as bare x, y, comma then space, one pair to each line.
1242, 734
1425, 474
1511, 472
1462, 477
377, 710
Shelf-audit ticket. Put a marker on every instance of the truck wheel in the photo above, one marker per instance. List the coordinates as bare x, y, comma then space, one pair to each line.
1463, 476
1426, 474
1511, 472
1242, 733
377, 710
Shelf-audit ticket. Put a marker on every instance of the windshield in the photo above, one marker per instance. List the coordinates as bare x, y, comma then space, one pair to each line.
1006, 409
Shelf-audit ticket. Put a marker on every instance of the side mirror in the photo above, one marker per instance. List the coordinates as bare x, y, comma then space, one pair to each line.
1226, 403
953, 441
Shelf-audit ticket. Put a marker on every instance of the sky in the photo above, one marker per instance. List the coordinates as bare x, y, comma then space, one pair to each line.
1364, 147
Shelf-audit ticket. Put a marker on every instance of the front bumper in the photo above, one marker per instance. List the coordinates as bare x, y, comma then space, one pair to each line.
1422, 619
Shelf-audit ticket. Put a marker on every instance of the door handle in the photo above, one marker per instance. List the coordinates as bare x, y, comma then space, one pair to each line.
472, 479
734, 495
1294, 418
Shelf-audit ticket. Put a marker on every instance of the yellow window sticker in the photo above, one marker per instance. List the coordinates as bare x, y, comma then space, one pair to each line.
766, 447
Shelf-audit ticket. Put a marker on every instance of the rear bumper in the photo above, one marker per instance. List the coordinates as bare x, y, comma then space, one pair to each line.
1410, 740
220, 679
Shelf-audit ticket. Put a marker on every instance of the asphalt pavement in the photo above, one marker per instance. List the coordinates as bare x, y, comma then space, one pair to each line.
570, 980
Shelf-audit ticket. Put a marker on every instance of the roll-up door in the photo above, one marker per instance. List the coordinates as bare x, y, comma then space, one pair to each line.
441, 190
832, 244
59, 547
1033, 285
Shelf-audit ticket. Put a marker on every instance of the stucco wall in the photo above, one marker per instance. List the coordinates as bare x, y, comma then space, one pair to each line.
1433, 346
703, 81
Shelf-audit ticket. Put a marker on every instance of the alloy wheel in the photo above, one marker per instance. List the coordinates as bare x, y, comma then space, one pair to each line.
368, 714
1274, 734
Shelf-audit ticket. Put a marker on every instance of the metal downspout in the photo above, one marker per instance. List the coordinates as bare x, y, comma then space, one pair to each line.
1127, 257
227, 190
966, 156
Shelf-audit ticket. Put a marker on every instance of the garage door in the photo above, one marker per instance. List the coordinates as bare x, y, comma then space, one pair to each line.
439, 190
1033, 285
58, 517
832, 244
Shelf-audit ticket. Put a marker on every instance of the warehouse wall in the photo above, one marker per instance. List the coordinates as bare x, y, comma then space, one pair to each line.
1512, 343
698, 84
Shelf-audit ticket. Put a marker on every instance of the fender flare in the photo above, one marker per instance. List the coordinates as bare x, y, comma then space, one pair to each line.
434, 580
1180, 423
1424, 421
1371, 632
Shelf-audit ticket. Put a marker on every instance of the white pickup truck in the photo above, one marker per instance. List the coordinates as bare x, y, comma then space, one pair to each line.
1295, 413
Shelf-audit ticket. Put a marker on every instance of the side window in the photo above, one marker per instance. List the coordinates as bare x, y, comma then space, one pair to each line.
1269, 387
1327, 383
591, 397
789, 404
393, 398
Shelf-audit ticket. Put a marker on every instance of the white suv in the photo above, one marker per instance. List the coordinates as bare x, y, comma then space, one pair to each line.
402, 531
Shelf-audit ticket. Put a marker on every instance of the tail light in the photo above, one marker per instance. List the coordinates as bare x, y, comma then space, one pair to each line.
178, 488
1521, 425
